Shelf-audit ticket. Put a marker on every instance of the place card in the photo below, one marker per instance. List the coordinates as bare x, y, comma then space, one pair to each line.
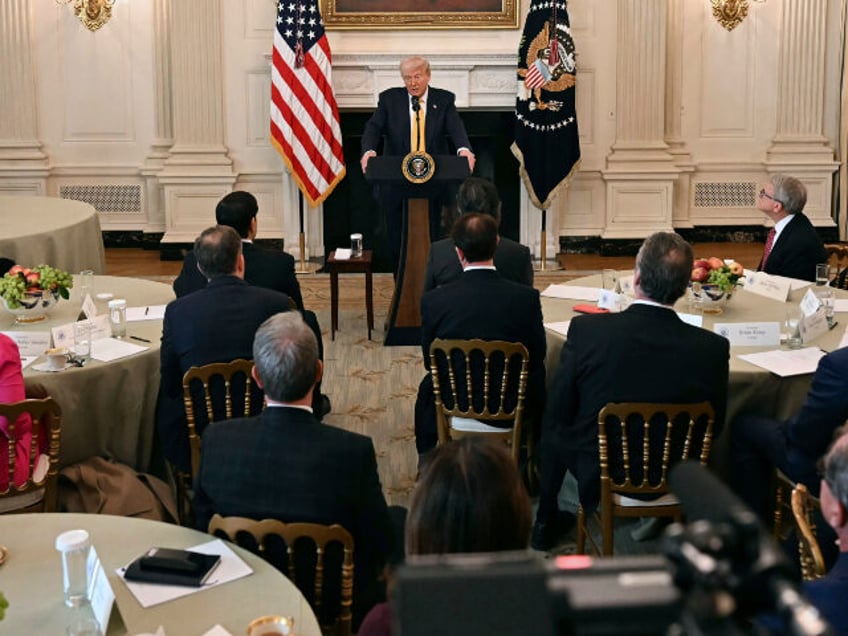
776, 287
88, 307
811, 327
100, 592
343, 254
626, 285
559, 327
749, 334
786, 363
696, 320
572, 292
610, 300
810, 303
63, 335
30, 343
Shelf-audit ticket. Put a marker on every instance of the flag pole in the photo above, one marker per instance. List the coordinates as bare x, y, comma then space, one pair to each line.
543, 266
302, 269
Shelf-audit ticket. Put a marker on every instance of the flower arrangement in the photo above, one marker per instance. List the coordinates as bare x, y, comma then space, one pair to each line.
714, 271
20, 282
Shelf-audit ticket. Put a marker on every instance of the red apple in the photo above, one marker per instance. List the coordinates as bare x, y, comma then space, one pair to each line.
736, 269
716, 263
33, 278
701, 263
700, 274
16, 269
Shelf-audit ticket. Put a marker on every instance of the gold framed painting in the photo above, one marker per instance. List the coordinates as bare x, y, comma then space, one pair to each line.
419, 14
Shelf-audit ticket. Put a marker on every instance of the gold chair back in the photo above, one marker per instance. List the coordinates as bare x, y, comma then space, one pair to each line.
483, 380
837, 260
804, 506
38, 492
262, 537
637, 444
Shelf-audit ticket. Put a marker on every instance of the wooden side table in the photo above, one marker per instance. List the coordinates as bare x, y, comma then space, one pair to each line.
360, 265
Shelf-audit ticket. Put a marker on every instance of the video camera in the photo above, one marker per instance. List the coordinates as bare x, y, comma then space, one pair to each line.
717, 572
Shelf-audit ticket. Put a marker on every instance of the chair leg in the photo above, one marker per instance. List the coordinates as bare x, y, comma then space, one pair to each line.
581, 530
607, 531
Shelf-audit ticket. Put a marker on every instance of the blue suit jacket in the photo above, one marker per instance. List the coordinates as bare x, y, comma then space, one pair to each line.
391, 119
215, 324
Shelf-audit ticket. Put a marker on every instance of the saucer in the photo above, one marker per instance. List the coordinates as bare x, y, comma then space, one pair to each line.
43, 367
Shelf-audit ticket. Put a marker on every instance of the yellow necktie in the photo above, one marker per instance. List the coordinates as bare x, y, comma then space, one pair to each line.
420, 118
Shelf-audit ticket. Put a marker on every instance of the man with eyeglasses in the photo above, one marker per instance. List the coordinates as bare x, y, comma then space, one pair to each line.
793, 247
417, 117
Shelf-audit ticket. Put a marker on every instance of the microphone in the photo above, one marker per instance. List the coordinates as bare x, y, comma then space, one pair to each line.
760, 576
416, 105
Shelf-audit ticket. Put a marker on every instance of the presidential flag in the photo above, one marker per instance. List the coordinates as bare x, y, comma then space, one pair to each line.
546, 142
304, 116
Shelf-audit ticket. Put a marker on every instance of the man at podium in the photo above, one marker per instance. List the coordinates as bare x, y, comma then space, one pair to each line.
418, 118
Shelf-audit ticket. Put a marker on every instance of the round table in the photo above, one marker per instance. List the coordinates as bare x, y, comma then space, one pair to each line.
31, 580
750, 387
61, 233
108, 408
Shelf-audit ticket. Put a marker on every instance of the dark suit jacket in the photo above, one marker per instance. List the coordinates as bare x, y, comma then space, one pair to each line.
829, 593
797, 251
284, 464
481, 304
643, 354
392, 120
215, 324
512, 260
263, 268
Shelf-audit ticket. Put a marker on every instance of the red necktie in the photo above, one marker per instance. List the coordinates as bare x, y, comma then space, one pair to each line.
767, 250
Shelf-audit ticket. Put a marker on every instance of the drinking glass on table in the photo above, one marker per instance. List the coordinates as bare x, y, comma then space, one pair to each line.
609, 279
826, 299
822, 274
82, 340
792, 327
86, 283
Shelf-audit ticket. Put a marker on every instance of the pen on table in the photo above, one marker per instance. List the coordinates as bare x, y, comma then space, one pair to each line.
833, 325
146, 309
139, 339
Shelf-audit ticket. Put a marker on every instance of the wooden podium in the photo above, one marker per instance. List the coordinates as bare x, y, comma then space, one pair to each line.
404, 322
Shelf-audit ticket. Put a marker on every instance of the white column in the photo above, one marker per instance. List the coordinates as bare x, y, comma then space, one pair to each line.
799, 146
23, 165
159, 151
673, 114
640, 170
198, 171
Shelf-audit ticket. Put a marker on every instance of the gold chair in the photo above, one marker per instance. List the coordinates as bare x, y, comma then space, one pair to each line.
783, 520
464, 368
795, 511
207, 376
38, 492
837, 260
637, 444
278, 543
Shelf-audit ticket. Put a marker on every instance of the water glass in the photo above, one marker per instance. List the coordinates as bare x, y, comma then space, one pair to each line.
609, 279
118, 317
792, 327
822, 274
826, 298
86, 283
83, 626
356, 245
82, 340
74, 546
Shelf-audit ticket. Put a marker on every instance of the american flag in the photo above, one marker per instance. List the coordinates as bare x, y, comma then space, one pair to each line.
537, 75
304, 115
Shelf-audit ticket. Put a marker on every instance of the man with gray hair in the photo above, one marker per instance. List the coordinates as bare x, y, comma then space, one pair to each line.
643, 354
512, 259
214, 324
793, 247
284, 464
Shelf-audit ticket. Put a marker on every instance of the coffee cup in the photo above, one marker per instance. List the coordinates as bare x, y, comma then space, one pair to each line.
57, 357
271, 626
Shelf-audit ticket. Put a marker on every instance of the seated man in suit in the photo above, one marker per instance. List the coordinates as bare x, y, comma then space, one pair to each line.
643, 354
263, 268
761, 443
793, 247
512, 260
284, 464
480, 304
215, 324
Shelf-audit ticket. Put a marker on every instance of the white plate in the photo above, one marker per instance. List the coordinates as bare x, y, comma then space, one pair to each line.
43, 367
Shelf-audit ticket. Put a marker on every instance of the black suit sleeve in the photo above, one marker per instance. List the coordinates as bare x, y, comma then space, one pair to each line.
430, 273
527, 275
190, 279
375, 127
373, 530
454, 126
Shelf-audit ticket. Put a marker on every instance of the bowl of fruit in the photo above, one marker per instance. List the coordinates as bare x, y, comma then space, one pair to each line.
28, 294
713, 282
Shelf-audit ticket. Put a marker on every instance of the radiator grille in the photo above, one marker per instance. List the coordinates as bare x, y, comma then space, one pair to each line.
112, 199
725, 194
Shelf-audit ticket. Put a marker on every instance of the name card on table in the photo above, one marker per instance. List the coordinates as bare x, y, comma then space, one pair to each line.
608, 299
30, 343
776, 287
63, 335
88, 307
749, 334
100, 592
811, 327
810, 303
572, 292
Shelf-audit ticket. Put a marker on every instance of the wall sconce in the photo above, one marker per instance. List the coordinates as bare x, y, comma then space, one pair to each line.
92, 13
730, 13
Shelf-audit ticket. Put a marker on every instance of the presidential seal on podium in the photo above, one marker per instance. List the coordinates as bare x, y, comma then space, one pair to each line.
418, 167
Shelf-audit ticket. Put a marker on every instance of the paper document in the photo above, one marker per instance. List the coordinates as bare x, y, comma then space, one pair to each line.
572, 292
840, 305
230, 569
108, 349
559, 327
343, 253
151, 312
27, 360
786, 363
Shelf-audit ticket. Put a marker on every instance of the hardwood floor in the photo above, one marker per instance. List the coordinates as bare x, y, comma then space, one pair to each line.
138, 262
